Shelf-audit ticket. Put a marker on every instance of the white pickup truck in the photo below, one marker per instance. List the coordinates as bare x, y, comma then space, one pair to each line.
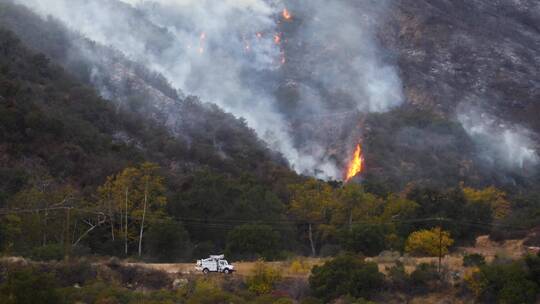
215, 263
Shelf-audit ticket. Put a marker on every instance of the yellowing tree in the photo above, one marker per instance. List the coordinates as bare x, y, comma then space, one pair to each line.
354, 203
132, 193
311, 203
492, 196
152, 190
434, 242
397, 207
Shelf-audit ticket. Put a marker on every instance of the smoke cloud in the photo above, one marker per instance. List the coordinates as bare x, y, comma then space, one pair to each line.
238, 53
501, 144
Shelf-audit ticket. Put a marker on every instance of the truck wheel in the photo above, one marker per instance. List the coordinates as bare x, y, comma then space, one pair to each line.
205, 271
226, 271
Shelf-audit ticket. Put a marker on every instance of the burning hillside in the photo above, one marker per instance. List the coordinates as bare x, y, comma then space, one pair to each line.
341, 57
356, 164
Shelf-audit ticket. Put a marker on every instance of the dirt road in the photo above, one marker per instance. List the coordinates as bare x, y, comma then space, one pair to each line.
301, 267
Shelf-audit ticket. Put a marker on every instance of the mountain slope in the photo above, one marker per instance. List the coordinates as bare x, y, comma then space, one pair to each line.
205, 131
55, 125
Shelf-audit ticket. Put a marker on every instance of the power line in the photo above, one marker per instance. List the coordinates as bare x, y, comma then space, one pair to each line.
231, 223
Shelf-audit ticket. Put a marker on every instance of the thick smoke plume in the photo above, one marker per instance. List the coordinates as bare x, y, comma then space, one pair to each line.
501, 144
237, 53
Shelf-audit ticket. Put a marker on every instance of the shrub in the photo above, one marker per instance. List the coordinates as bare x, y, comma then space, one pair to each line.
208, 293
311, 300
263, 279
299, 266
533, 262
283, 301
345, 275
398, 277
28, 286
424, 278
504, 283
474, 259
149, 278
74, 272
48, 253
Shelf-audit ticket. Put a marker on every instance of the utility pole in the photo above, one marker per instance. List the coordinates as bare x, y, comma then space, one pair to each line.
67, 240
440, 244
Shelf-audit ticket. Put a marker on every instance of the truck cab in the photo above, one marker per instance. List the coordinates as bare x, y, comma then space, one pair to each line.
215, 263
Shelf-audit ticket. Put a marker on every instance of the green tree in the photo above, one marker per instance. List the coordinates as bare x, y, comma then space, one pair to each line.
311, 204
250, 241
46, 224
369, 239
167, 241
345, 275
10, 231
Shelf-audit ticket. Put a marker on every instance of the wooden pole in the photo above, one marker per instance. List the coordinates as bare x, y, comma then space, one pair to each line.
440, 244
67, 240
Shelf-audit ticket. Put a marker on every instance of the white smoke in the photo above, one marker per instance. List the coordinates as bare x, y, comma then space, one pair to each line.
344, 53
501, 144
224, 51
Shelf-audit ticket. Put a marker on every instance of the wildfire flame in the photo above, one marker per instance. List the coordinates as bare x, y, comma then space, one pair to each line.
286, 14
356, 164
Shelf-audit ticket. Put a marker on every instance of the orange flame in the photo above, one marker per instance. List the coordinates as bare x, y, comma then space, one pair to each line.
286, 14
356, 164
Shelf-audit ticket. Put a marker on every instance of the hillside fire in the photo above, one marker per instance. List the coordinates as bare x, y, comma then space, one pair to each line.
286, 14
356, 164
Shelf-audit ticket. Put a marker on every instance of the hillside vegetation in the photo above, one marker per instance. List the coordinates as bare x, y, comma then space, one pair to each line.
125, 166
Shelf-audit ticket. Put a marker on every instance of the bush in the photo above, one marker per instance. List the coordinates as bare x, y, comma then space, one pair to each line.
283, 301
28, 286
251, 241
263, 279
74, 272
533, 262
473, 260
424, 278
207, 293
345, 275
299, 266
398, 277
48, 253
311, 300
140, 276
504, 283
